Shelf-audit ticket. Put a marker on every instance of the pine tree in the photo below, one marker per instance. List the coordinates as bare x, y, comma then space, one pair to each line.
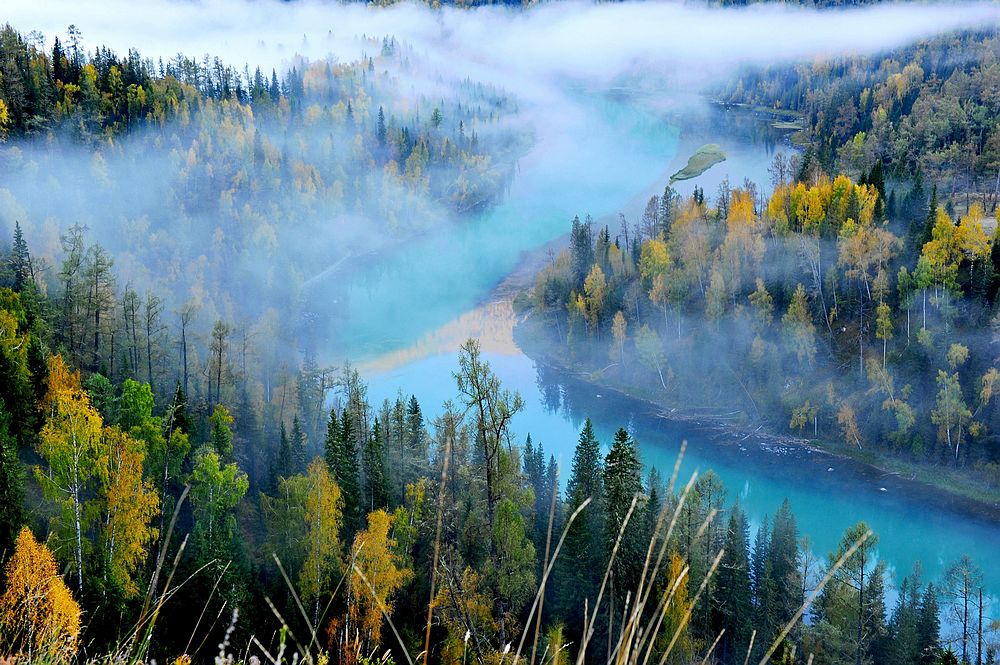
284, 461
931, 219
347, 472
783, 554
380, 128
20, 260
732, 609
297, 445
331, 444
11, 487
622, 483
928, 628
376, 485
581, 563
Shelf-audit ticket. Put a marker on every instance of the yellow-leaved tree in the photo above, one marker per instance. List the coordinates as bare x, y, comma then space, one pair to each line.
129, 505
323, 517
69, 443
376, 575
39, 619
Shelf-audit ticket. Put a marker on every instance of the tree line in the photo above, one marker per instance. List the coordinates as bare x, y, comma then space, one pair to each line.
832, 313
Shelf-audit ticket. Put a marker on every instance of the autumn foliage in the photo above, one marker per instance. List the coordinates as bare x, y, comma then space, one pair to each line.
39, 619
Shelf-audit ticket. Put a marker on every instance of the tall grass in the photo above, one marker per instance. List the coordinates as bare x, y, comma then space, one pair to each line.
632, 642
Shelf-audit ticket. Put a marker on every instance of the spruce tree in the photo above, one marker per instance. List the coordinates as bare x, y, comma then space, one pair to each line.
586, 476
932, 211
416, 436
376, 486
11, 487
900, 646
784, 557
20, 260
581, 563
297, 444
284, 461
622, 483
732, 609
348, 474
758, 568
995, 264
654, 504
179, 408
928, 628
331, 444
380, 128
915, 211
581, 247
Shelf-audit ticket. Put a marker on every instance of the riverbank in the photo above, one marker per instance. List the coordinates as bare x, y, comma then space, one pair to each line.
941, 486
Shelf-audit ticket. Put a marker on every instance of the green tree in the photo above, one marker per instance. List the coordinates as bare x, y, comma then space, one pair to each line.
950, 412
216, 491
511, 571
928, 628
582, 559
733, 606
853, 601
221, 435
12, 515
347, 473
783, 555
297, 446
284, 459
376, 483
623, 483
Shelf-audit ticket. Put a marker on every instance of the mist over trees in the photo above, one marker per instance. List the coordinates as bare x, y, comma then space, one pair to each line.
822, 319
222, 184
183, 476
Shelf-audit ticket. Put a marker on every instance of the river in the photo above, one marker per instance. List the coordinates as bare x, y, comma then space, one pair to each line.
404, 316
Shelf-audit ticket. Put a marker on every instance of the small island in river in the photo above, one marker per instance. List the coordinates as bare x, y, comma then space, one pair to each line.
702, 160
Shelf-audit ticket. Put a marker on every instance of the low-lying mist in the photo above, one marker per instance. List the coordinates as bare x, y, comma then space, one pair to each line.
156, 197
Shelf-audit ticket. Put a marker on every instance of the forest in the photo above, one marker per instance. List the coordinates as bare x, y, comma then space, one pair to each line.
852, 301
179, 167
183, 532
190, 472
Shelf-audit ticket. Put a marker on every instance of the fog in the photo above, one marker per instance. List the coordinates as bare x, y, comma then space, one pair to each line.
552, 66
589, 42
